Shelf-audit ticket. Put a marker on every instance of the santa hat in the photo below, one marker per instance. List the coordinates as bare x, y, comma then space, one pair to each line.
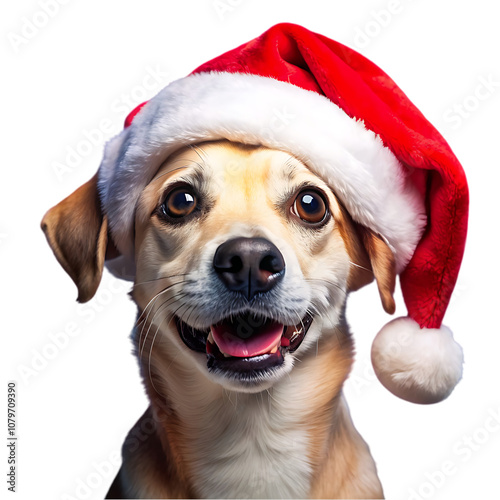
300, 92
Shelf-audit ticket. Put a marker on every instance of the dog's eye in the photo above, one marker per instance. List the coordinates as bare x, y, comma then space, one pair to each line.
179, 203
310, 206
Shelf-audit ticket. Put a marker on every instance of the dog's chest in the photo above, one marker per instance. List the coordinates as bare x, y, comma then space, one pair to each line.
250, 448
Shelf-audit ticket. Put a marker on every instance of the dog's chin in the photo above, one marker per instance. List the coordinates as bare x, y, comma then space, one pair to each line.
247, 352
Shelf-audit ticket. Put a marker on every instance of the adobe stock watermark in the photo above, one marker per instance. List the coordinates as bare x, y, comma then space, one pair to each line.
363, 381
153, 80
463, 450
105, 470
458, 113
258, 483
379, 20
100, 471
459, 292
58, 341
33, 24
223, 7
279, 120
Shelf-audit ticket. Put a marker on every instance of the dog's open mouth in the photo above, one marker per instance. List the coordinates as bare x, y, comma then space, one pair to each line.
245, 344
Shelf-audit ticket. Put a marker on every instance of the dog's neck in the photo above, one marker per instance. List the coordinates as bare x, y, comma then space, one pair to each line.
224, 444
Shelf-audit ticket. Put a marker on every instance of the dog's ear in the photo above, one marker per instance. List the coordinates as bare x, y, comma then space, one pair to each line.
370, 258
77, 232
383, 265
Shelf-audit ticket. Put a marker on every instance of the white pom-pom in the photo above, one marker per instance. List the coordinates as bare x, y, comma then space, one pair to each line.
421, 365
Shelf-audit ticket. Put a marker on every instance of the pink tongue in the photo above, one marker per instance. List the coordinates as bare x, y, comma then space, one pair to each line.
259, 342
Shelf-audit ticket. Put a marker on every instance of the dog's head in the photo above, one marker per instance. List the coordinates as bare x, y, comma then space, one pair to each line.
244, 259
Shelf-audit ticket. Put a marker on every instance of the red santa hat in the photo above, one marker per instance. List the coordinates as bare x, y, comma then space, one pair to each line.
298, 91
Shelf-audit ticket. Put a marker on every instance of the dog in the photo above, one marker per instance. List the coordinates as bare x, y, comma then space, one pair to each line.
245, 259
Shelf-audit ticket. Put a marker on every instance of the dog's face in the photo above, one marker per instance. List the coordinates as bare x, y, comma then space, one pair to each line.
244, 258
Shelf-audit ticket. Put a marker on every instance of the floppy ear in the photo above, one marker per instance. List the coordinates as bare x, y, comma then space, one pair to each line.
370, 257
77, 231
383, 265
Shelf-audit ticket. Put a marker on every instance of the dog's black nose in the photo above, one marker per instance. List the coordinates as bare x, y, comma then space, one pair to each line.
249, 265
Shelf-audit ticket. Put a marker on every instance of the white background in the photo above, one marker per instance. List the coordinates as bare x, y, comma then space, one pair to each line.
83, 68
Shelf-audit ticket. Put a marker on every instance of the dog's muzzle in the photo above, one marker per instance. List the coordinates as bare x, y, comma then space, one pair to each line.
247, 344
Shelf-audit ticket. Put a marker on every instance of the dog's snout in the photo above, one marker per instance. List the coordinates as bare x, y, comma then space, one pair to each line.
249, 265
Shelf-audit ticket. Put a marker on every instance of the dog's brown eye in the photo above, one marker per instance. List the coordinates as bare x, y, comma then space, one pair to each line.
179, 203
310, 206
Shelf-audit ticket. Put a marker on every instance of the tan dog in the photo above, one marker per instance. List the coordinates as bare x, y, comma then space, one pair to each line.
244, 262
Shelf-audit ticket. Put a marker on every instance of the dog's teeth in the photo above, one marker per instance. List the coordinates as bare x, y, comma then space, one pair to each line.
275, 349
226, 355
211, 338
